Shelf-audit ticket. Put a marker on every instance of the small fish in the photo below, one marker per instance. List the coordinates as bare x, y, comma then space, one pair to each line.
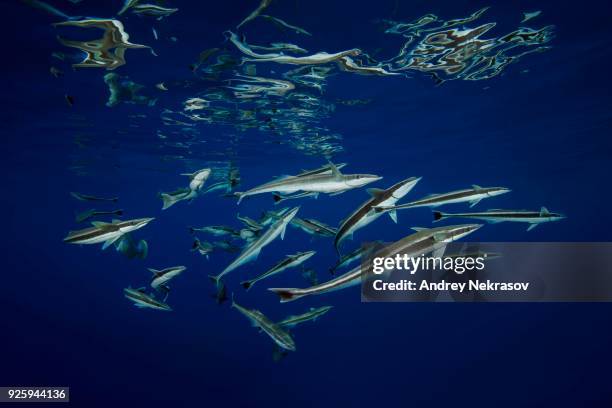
472, 195
204, 248
85, 197
105, 232
142, 300
86, 215
528, 15
334, 183
278, 335
313, 227
533, 218
365, 214
283, 24
251, 252
312, 314
289, 262
278, 198
169, 199
197, 178
423, 241
215, 230
262, 6
162, 277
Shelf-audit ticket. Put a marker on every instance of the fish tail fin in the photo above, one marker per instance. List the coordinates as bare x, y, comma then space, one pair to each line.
168, 201
215, 279
191, 230
438, 216
286, 294
246, 284
277, 198
239, 195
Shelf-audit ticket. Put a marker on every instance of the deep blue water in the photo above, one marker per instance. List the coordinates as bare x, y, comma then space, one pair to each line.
542, 128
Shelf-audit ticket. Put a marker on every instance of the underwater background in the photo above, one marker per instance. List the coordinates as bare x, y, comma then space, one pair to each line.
540, 126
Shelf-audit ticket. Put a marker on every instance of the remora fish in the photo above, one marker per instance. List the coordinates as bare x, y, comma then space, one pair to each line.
85, 215
312, 314
197, 179
472, 195
278, 335
423, 241
365, 214
161, 277
313, 227
216, 230
142, 300
533, 218
262, 6
105, 232
290, 261
251, 252
333, 183
169, 199
282, 197
85, 197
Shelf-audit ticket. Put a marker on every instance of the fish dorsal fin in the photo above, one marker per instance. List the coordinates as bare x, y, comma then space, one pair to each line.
99, 224
418, 229
153, 271
335, 172
375, 192
476, 187
544, 212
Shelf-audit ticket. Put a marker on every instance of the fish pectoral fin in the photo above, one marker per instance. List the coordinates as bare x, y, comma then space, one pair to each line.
532, 226
110, 242
439, 252
282, 234
335, 172
474, 202
393, 215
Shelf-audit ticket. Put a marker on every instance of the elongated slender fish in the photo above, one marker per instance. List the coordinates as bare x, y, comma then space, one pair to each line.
278, 198
365, 213
290, 261
533, 218
423, 241
251, 252
182, 194
312, 314
313, 227
197, 179
86, 215
333, 183
262, 6
472, 195
105, 232
250, 223
85, 197
258, 319
216, 230
284, 24
142, 300
162, 277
